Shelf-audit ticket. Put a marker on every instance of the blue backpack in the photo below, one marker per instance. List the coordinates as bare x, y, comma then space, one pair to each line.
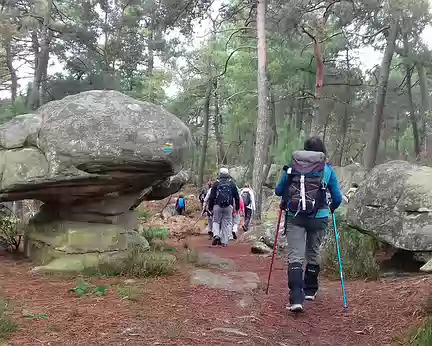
181, 202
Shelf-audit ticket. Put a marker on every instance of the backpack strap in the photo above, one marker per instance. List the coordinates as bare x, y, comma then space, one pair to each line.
284, 202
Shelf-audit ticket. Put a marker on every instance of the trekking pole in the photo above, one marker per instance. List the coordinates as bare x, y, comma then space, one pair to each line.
274, 249
345, 306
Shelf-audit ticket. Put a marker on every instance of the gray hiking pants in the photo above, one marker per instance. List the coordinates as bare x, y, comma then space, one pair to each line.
222, 222
304, 237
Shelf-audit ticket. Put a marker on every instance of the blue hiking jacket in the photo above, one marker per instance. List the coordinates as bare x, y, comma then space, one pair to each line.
332, 183
181, 203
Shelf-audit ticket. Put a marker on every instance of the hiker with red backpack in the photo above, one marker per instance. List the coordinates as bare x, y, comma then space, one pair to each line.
303, 189
223, 197
248, 198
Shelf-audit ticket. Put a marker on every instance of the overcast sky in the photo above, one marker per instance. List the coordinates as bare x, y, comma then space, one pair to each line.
368, 57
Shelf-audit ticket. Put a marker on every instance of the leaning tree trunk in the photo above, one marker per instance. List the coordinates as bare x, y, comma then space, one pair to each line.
424, 108
373, 143
206, 115
261, 147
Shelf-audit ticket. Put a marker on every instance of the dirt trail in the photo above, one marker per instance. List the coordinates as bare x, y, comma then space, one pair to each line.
172, 312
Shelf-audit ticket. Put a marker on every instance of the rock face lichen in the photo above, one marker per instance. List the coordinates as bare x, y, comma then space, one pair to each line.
394, 204
88, 158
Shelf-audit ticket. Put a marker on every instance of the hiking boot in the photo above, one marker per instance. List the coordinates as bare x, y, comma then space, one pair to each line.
234, 235
311, 281
295, 308
295, 285
216, 240
210, 234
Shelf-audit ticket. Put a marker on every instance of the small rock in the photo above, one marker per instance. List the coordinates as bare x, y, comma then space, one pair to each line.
233, 281
229, 331
427, 268
207, 259
245, 302
260, 248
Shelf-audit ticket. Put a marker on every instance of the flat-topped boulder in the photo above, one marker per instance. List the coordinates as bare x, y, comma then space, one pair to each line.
91, 158
90, 144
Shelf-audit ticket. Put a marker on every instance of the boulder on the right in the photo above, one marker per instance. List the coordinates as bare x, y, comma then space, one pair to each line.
394, 205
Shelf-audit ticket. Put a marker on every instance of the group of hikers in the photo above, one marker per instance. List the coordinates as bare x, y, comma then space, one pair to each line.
225, 205
309, 191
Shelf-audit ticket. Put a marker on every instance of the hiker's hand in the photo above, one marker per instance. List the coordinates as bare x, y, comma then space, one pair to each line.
332, 209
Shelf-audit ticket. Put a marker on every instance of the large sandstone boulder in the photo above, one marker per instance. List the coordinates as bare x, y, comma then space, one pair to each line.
265, 233
90, 144
394, 204
90, 157
348, 175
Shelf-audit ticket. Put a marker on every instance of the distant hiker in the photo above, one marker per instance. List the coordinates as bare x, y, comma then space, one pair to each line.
223, 195
248, 198
180, 205
203, 193
303, 189
237, 218
208, 212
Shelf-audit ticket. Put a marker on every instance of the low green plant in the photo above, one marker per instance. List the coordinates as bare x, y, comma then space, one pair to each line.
422, 336
140, 263
30, 316
84, 288
357, 250
128, 292
152, 234
7, 324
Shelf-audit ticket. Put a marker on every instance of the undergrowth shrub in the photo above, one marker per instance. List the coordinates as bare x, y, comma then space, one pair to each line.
357, 251
422, 336
11, 232
155, 233
140, 263
7, 324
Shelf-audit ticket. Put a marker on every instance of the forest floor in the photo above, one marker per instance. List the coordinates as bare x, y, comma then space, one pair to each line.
172, 311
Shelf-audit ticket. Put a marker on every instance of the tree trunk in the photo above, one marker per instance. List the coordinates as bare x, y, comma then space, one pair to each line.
424, 109
12, 71
261, 147
272, 128
373, 143
206, 114
346, 117
41, 58
217, 125
413, 117
397, 139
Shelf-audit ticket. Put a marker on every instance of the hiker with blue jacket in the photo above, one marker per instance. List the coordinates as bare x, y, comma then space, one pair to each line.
224, 197
303, 189
180, 205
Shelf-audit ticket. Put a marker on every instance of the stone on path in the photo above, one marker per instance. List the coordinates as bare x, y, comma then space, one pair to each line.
233, 281
210, 260
260, 248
